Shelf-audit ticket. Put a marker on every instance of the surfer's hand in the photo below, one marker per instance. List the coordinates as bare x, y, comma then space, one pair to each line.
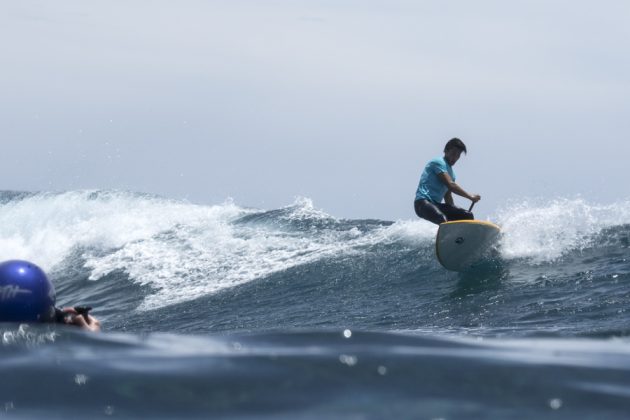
74, 318
475, 198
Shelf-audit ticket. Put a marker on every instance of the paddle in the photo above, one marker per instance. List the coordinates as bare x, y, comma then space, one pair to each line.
471, 206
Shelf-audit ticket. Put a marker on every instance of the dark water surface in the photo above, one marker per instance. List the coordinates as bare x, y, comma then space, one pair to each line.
290, 313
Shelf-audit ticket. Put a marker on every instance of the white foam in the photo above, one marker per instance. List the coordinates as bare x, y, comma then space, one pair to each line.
545, 232
199, 258
181, 250
411, 232
45, 228
202, 257
303, 208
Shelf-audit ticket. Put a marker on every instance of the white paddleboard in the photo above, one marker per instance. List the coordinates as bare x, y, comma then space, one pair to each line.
462, 244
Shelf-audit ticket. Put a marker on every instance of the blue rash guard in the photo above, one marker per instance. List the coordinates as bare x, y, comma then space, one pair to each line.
431, 186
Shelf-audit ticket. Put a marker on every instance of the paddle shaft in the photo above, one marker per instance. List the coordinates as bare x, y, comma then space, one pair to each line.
471, 206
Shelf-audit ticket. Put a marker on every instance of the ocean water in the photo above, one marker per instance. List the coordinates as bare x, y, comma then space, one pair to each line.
230, 312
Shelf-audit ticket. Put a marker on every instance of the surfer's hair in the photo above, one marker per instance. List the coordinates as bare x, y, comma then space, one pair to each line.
455, 143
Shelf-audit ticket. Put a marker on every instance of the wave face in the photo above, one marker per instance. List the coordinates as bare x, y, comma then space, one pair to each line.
563, 267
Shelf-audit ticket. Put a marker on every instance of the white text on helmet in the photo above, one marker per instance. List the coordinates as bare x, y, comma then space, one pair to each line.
12, 291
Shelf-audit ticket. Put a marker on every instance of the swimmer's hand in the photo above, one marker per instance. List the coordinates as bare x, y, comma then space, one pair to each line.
79, 316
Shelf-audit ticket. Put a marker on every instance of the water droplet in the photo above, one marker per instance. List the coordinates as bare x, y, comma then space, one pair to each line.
347, 333
8, 406
348, 360
8, 338
555, 403
80, 379
109, 410
382, 370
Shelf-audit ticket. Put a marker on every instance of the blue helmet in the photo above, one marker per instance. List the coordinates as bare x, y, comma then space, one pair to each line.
26, 294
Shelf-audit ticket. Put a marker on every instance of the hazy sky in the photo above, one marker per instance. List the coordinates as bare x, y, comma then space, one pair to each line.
339, 101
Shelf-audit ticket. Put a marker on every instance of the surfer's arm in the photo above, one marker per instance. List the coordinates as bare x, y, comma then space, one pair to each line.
448, 198
456, 189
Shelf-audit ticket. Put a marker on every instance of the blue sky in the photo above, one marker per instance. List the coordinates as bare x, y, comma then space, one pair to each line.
339, 101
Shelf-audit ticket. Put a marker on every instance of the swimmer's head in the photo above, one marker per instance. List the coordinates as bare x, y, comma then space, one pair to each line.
26, 294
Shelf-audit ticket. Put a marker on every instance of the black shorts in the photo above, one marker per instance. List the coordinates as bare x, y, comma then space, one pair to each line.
440, 213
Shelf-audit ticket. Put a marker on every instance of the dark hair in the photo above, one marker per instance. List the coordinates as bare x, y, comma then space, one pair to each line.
455, 143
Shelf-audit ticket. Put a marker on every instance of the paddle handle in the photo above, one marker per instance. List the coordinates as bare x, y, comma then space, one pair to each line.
471, 206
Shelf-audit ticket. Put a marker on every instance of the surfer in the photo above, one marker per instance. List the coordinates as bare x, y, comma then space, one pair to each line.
437, 184
27, 295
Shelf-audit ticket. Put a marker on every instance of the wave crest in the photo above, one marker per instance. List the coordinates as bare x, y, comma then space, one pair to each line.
545, 232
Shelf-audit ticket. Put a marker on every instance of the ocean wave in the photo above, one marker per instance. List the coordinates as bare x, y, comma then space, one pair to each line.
542, 233
182, 251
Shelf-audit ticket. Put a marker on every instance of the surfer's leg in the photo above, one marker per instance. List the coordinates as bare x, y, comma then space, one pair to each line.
429, 211
455, 213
